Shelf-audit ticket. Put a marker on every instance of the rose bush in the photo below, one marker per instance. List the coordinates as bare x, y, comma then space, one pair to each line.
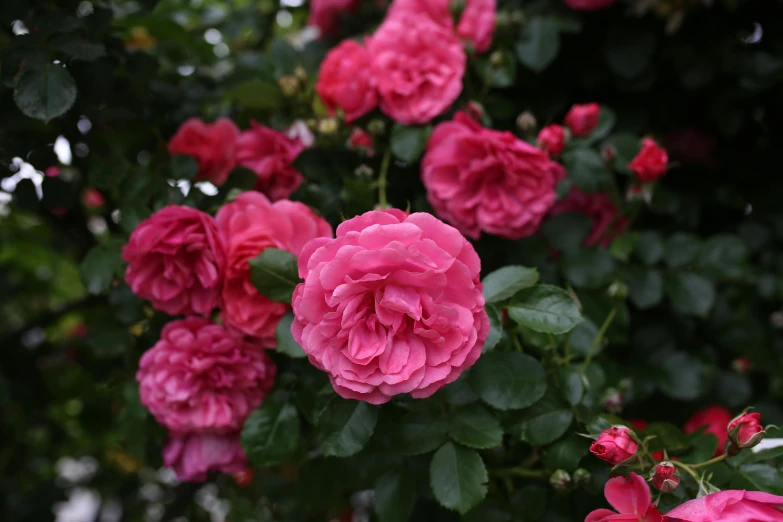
390, 261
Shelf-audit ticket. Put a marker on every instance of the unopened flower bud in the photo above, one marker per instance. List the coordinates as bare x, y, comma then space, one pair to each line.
243, 477
741, 365
560, 479
613, 400
496, 59
327, 126
376, 127
665, 477
618, 289
581, 477
300, 73
289, 85
526, 122
615, 445
745, 430
639, 193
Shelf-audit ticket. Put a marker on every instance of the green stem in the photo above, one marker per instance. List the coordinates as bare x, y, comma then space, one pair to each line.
710, 462
382, 179
687, 469
520, 472
598, 338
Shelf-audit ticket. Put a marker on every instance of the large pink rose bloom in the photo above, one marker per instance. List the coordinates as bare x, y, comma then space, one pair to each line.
270, 154
630, 496
600, 209
392, 305
476, 23
345, 81
482, 180
589, 5
193, 455
200, 377
325, 14
176, 261
250, 224
730, 506
211, 144
418, 66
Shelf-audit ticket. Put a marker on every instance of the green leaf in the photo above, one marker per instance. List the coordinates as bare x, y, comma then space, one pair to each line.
407, 143
270, 435
274, 274
285, 341
101, 265
752, 457
629, 49
183, 167
667, 436
507, 281
529, 503
256, 94
539, 43
567, 231
508, 380
586, 168
626, 146
722, 255
703, 447
622, 247
682, 249
414, 432
45, 93
758, 477
458, 477
546, 309
645, 285
395, 495
474, 426
500, 74
606, 121
566, 453
681, 376
650, 248
571, 386
345, 426
589, 268
582, 338
691, 294
495, 331
79, 48
545, 422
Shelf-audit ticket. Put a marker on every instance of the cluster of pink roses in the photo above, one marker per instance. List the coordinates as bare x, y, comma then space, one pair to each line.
412, 66
219, 147
202, 379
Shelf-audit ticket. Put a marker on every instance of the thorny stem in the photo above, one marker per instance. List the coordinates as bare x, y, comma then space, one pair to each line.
598, 338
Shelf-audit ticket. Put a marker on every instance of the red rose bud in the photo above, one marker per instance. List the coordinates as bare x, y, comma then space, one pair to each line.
665, 477
745, 430
361, 140
741, 365
615, 445
582, 119
243, 477
552, 139
651, 161
560, 479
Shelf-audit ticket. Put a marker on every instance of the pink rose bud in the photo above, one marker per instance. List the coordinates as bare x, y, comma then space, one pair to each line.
582, 119
361, 140
615, 445
243, 477
665, 477
741, 365
93, 199
52, 172
552, 139
745, 430
651, 161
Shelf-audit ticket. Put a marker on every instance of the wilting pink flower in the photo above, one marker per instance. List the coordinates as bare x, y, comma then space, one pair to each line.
193, 455
325, 14
346, 82
392, 305
251, 224
52, 171
715, 418
745, 430
483, 180
93, 199
615, 445
730, 506
589, 5
211, 144
270, 154
582, 119
651, 162
630, 496
200, 377
552, 139
600, 209
418, 66
176, 261
476, 23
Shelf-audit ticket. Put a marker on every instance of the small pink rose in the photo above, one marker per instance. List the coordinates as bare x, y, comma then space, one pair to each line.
211, 144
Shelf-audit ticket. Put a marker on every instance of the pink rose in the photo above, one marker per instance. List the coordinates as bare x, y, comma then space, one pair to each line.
392, 305
361, 140
482, 180
600, 209
93, 199
211, 144
730, 506
200, 377
346, 81
589, 5
715, 419
325, 14
615, 445
582, 119
476, 24
552, 139
270, 154
193, 455
176, 261
418, 66
250, 224
745, 430
629, 496
651, 162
